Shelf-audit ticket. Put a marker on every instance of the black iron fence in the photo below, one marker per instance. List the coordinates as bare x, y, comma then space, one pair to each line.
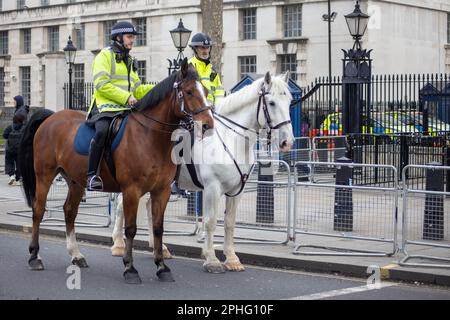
398, 104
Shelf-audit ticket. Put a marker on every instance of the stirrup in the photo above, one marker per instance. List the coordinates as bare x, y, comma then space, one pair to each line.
95, 183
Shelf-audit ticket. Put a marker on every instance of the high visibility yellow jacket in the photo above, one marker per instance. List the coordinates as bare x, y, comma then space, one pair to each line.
112, 83
209, 78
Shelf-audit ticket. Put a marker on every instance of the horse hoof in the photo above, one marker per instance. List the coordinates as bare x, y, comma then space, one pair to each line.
35, 264
117, 251
167, 254
132, 276
233, 266
165, 276
213, 267
80, 262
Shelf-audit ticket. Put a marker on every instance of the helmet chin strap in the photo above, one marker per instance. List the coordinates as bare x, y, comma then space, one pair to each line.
119, 49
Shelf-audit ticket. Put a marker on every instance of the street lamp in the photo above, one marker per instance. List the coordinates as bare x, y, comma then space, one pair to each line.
357, 24
180, 37
357, 72
70, 51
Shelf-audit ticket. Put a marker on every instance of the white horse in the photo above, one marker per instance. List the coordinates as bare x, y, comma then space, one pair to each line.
263, 104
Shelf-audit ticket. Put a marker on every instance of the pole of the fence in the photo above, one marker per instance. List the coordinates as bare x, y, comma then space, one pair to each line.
448, 171
343, 201
264, 194
433, 222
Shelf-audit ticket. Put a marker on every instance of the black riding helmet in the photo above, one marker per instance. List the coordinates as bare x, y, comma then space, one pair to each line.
200, 40
121, 28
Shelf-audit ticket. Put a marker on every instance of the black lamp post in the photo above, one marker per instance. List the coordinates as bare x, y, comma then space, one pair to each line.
180, 37
357, 71
70, 51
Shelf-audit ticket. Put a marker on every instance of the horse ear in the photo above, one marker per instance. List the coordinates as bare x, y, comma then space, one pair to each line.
184, 67
267, 78
285, 76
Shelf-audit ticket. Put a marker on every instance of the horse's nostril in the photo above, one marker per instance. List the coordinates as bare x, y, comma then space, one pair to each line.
205, 127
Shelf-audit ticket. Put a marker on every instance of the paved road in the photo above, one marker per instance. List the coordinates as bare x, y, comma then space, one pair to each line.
103, 279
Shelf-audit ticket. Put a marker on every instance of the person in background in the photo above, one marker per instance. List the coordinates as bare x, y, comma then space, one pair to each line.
13, 134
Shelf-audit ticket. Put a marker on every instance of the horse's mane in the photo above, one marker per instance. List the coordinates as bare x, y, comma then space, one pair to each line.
247, 95
163, 88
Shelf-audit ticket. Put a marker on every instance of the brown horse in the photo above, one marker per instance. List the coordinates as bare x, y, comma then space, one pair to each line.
142, 160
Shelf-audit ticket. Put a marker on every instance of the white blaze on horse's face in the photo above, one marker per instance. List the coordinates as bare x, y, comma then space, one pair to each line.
201, 91
278, 102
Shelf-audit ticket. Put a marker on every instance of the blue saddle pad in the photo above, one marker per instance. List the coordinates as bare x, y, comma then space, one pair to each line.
85, 134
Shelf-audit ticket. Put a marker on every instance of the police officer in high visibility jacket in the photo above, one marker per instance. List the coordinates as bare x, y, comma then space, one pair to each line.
117, 88
201, 44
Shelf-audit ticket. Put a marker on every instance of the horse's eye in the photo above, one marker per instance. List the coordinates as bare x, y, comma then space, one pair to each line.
272, 104
189, 92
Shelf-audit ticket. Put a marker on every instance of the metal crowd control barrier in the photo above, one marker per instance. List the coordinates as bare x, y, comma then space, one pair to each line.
344, 211
94, 205
326, 149
300, 151
264, 212
426, 216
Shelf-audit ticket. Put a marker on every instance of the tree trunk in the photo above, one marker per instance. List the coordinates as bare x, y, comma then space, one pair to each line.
212, 21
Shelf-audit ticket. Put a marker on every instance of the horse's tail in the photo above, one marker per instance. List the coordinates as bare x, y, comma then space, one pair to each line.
25, 156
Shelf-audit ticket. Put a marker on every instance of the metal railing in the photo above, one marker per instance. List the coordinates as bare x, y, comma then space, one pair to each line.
426, 218
343, 210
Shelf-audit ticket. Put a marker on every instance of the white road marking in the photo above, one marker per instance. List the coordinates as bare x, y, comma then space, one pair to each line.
340, 292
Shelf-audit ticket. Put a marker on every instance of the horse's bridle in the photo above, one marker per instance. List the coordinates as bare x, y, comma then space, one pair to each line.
263, 103
180, 98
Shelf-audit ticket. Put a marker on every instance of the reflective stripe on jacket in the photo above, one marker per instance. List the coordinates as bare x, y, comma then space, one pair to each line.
214, 86
111, 86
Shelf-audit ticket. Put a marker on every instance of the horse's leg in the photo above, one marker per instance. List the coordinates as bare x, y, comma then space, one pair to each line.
118, 248
166, 252
210, 207
130, 205
232, 262
43, 184
159, 203
70, 212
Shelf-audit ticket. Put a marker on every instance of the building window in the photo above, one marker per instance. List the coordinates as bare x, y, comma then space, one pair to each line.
45, 2
53, 39
249, 24
78, 85
25, 84
20, 4
71, 1
141, 26
79, 36
142, 70
448, 27
292, 21
288, 62
3, 42
2, 86
107, 27
247, 65
26, 41
78, 72
1, 5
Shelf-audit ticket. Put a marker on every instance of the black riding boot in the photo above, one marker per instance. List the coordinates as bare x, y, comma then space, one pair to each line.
94, 182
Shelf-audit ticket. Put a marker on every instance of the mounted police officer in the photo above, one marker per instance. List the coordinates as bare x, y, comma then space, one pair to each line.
117, 89
201, 44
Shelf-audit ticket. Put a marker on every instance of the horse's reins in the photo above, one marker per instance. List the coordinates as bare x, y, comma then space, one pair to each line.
180, 98
261, 102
